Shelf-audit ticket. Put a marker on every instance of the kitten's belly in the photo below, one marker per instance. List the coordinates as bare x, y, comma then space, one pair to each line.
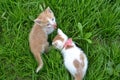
69, 57
68, 62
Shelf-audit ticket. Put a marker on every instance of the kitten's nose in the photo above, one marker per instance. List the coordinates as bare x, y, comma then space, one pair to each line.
55, 25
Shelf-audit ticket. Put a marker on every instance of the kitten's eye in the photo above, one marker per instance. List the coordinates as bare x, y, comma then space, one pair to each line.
52, 19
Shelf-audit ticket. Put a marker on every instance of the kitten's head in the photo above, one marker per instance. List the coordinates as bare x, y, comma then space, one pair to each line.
47, 20
59, 40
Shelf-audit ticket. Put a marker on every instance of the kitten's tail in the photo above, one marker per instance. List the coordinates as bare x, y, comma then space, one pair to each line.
39, 60
78, 77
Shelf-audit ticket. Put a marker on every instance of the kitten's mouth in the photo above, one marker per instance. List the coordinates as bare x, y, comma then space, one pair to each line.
55, 26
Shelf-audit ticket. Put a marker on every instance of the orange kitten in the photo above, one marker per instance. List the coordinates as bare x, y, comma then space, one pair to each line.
44, 25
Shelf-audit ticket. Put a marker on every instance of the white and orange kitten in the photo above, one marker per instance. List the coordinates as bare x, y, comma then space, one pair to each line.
75, 59
44, 25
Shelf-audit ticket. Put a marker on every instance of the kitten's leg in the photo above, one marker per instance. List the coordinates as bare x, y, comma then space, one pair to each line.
39, 60
47, 47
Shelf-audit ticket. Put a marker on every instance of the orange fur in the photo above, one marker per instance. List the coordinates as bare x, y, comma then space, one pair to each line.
78, 75
38, 36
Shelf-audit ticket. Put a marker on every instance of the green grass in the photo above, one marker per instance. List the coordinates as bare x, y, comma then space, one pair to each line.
94, 25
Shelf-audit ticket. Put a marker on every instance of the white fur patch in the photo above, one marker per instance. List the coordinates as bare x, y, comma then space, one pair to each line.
49, 30
58, 44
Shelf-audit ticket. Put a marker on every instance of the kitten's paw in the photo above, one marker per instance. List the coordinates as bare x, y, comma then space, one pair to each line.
47, 49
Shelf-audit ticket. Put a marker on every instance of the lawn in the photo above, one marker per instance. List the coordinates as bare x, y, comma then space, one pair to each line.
94, 25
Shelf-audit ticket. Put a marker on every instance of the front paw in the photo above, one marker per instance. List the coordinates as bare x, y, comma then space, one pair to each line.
47, 49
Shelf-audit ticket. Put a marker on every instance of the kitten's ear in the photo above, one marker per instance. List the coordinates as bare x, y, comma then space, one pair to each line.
38, 21
59, 31
48, 9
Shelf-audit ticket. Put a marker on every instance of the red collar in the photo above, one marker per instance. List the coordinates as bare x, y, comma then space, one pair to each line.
68, 43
